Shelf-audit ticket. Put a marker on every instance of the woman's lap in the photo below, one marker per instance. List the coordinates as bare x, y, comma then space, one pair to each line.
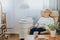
36, 29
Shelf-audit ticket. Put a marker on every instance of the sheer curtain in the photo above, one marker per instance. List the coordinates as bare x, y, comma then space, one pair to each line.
37, 4
46, 4
42, 4
53, 4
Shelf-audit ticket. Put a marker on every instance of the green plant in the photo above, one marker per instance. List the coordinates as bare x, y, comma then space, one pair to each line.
53, 27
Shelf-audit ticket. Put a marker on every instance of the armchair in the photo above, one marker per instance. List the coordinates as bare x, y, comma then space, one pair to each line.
54, 15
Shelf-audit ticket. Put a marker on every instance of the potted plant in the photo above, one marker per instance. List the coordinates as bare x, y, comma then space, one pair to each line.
52, 29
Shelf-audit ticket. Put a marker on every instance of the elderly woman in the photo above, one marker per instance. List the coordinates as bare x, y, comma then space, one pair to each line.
42, 24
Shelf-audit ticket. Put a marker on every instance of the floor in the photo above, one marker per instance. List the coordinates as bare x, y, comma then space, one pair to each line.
11, 37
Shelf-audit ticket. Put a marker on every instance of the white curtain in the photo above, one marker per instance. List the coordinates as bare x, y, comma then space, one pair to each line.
37, 4
53, 4
42, 4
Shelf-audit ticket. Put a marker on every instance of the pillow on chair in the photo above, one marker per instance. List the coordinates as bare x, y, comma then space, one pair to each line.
55, 15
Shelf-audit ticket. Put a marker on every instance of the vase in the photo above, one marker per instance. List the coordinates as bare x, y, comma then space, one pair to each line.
53, 33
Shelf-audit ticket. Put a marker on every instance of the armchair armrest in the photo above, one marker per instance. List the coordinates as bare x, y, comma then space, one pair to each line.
28, 30
45, 32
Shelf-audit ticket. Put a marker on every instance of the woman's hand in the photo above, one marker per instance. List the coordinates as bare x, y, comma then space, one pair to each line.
37, 25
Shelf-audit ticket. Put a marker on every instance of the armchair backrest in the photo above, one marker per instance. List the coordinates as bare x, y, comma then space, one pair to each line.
55, 15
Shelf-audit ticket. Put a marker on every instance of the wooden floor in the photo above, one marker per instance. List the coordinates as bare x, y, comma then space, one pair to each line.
54, 38
16, 37
13, 37
49, 38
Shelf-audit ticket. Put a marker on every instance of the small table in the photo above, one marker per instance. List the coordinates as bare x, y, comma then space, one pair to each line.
42, 37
